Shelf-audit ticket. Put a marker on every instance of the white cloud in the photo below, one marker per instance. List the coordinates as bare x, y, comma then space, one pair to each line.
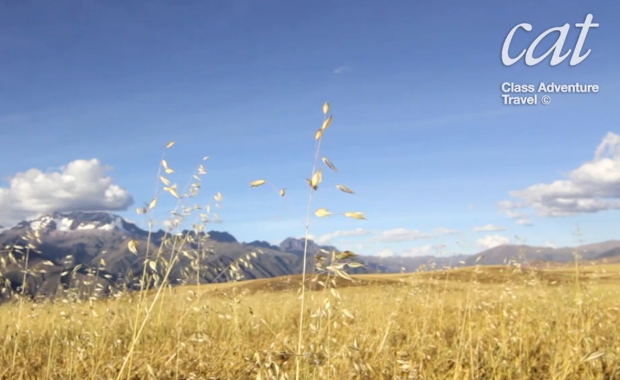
441, 231
424, 250
492, 241
386, 253
592, 187
403, 234
82, 185
489, 228
172, 223
327, 238
341, 69
550, 245
419, 251
508, 208
524, 222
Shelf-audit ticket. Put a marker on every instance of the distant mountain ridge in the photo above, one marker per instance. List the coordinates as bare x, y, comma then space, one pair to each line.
263, 244
78, 242
523, 253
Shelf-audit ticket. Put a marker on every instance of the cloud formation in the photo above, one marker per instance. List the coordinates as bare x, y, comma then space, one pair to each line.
510, 208
592, 187
524, 222
492, 241
341, 70
327, 238
551, 245
424, 250
488, 228
403, 234
82, 185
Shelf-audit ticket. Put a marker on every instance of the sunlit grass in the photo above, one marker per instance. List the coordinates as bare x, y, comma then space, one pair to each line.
400, 326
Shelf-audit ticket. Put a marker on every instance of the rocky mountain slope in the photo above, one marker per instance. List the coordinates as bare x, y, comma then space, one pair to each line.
91, 251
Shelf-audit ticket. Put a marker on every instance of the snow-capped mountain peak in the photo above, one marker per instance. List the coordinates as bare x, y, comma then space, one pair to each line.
80, 221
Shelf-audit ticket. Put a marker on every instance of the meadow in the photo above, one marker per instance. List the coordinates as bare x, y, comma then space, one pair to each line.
467, 323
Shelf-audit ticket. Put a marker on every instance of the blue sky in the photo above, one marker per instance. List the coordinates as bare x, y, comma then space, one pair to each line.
419, 132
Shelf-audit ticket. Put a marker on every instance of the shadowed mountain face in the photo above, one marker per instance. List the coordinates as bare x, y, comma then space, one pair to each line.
90, 251
612, 253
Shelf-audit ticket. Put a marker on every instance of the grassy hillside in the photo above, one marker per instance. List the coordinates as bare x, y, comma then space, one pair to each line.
468, 323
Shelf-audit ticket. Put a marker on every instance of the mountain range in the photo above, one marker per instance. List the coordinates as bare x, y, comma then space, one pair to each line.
90, 251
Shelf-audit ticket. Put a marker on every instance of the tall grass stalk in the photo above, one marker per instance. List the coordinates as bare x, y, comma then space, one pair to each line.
317, 150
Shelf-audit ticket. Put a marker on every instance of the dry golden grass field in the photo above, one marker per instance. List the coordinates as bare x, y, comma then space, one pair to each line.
469, 323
